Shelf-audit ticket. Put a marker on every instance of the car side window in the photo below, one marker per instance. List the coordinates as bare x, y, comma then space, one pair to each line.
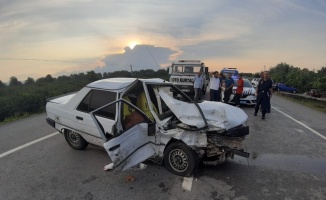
96, 99
84, 105
101, 98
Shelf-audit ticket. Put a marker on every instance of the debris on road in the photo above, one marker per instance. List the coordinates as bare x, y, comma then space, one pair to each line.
130, 178
108, 167
141, 166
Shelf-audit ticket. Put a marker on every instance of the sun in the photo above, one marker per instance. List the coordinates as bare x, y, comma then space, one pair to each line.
132, 44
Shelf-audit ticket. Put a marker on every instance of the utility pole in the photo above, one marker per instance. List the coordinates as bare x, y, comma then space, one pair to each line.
130, 70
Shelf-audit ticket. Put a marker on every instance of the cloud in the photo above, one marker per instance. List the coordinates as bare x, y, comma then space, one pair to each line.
251, 33
140, 57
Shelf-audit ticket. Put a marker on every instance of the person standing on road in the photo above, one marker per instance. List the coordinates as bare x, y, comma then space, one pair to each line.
263, 93
221, 87
214, 85
268, 108
198, 85
229, 82
239, 90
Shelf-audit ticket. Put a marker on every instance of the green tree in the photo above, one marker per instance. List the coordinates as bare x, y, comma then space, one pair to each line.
29, 81
2, 84
49, 78
63, 78
14, 81
92, 76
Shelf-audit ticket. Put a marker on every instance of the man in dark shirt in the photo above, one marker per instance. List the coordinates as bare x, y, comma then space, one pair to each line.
229, 82
263, 93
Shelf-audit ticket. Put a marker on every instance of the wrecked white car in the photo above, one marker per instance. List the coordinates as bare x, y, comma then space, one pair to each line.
139, 119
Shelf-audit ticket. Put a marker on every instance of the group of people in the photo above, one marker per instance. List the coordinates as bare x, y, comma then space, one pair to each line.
221, 88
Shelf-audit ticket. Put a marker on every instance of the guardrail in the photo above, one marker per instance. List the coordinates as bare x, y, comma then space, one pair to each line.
301, 95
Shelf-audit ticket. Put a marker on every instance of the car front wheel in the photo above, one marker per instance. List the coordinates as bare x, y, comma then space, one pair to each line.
75, 140
180, 159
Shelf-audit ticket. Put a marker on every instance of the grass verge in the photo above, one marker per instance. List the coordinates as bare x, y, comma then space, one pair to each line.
22, 116
312, 103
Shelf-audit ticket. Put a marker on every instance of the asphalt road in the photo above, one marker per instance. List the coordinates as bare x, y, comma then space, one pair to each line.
288, 161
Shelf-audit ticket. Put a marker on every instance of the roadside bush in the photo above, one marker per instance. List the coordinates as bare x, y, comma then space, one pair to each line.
22, 99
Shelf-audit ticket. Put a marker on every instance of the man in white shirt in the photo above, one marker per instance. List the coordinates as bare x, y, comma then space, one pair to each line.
214, 85
198, 85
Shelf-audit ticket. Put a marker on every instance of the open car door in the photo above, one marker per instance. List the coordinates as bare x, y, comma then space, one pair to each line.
133, 145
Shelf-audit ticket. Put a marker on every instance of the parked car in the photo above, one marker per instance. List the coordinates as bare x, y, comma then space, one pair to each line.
139, 119
285, 87
248, 95
255, 82
275, 85
315, 93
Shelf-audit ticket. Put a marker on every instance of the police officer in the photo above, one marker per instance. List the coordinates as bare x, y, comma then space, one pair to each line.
263, 93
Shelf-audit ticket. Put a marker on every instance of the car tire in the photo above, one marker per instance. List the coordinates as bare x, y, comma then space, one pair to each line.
179, 159
294, 92
75, 140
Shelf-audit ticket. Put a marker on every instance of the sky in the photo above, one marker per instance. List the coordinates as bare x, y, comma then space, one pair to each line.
60, 37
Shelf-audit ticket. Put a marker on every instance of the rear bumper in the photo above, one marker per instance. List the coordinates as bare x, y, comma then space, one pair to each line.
51, 122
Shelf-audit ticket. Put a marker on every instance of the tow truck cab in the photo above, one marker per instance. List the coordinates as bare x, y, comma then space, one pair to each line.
183, 72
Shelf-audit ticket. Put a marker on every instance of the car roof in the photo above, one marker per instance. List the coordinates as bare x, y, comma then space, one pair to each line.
120, 83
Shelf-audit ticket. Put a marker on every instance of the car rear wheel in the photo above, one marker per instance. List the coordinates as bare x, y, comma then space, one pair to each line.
75, 140
180, 159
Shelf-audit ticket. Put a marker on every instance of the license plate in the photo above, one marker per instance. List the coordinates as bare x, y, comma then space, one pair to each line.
243, 101
184, 90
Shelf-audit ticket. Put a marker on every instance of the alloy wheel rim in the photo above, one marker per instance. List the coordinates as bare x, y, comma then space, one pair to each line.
74, 138
178, 160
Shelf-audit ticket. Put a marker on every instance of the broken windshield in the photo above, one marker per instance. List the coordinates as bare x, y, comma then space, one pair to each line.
170, 101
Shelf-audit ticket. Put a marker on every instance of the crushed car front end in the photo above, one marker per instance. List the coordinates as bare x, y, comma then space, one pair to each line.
214, 130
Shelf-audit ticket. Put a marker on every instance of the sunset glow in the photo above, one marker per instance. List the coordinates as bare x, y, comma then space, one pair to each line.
104, 33
132, 44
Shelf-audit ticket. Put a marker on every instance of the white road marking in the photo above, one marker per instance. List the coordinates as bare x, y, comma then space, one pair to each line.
187, 183
27, 144
299, 130
302, 124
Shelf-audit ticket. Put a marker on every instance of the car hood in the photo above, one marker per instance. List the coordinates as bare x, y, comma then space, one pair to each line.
219, 116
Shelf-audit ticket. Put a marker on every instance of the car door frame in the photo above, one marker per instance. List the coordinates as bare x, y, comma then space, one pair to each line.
152, 132
86, 117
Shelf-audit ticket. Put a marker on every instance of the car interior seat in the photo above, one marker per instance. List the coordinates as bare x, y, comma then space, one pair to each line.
131, 117
142, 104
